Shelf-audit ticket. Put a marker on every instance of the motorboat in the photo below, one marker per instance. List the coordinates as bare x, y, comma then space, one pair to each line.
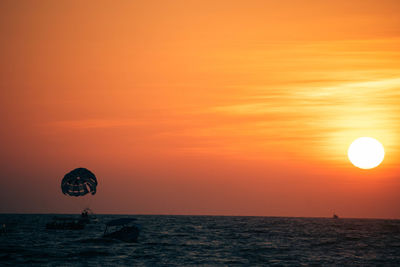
65, 223
122, 229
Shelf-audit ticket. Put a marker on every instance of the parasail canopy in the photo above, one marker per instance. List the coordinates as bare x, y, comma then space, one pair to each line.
79, 182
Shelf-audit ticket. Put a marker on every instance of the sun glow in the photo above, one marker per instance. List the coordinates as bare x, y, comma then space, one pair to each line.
366, 153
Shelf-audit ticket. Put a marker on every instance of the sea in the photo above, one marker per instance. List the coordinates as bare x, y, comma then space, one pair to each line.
204, 241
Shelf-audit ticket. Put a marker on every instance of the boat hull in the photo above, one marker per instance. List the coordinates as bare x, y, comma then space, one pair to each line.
126, 234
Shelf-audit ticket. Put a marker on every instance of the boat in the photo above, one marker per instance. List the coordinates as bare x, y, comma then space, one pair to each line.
124, 230
65, 223
87, 216
335, 216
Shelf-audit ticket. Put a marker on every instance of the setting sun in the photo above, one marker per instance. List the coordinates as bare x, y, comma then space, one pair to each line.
366, 153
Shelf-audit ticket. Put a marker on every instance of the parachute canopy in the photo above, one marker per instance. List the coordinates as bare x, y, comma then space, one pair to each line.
79, 182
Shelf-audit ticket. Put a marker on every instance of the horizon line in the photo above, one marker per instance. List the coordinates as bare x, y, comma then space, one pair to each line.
203, 215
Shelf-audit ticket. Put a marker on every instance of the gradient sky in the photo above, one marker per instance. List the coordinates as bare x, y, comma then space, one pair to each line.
200, 107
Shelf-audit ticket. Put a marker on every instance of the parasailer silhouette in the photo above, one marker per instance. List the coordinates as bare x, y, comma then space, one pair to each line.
79, 182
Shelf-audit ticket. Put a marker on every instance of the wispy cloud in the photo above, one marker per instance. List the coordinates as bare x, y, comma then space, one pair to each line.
323, 118
95, 123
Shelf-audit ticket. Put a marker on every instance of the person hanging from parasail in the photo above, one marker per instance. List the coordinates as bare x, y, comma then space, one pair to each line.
78, 183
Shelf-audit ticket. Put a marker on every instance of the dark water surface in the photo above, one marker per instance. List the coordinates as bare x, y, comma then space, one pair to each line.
205, 240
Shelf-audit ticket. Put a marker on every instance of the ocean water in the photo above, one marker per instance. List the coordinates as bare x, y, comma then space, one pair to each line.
205, 240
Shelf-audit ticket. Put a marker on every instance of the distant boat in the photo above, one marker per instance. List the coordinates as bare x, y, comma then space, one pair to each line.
335, 216
127, 232
65, 223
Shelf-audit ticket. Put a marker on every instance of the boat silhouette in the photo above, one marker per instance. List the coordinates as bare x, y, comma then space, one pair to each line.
126, 230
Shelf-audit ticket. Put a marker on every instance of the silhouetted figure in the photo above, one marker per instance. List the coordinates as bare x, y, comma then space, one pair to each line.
3, 229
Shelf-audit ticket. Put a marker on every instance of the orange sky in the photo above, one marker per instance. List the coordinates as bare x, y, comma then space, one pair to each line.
200, 107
